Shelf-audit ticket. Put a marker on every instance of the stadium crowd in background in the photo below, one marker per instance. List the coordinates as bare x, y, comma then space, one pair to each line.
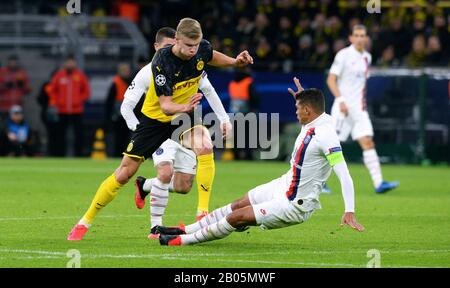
282, 35
285, 35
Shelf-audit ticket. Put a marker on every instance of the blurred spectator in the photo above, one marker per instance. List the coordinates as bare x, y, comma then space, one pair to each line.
321, 56
303, 27
244, 29
68, 94
416, 57
283, 57
304, 52
128, 9
115, 124
387, 59
20, 142
435, 55
442, 30
49, 118
318, 26
14, 85
263, 54
243, 100
419, 24
397, 36
338, 45
262, 28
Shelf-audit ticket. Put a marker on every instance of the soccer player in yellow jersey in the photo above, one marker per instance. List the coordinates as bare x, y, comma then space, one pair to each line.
176, 72
174, 163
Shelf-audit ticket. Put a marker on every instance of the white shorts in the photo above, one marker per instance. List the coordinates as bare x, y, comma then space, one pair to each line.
184, 160
273, 209
357, 123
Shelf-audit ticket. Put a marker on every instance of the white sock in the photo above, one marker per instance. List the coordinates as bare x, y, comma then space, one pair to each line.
159, 197
372, 163
148, 184
214, 231
83, 222
209, 219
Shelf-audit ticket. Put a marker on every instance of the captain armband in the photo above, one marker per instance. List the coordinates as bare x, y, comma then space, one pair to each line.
335, 156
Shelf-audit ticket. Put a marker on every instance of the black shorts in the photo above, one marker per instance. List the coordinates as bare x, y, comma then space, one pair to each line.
150, 134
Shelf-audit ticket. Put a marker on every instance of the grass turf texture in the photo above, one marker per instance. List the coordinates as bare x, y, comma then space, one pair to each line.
41, 199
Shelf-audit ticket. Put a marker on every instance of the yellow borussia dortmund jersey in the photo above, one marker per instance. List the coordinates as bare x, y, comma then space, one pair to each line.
172, 76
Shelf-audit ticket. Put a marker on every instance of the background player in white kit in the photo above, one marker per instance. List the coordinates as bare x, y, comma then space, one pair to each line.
347, 82
172, 160
290, 199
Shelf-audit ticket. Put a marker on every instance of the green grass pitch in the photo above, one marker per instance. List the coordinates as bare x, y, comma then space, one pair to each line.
41, 199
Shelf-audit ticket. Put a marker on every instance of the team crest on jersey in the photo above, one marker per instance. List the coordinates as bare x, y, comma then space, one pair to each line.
200, 65
130, 146
160, 80
307, 139
159, 151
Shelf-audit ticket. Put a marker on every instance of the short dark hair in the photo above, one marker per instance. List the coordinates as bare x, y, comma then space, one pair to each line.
313, 97
70, 56
165, 32
359, 27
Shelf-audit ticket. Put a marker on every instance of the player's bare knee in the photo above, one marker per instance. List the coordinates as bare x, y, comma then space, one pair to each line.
183, 185
367, 143
238, 218
204, 150
240, 203
182, 188
165, 172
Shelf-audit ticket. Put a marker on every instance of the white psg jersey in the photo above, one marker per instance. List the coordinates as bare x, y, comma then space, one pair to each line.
316, 150
352, 70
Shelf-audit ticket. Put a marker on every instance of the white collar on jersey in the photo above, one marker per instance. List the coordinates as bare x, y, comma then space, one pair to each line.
356, 51
316, 121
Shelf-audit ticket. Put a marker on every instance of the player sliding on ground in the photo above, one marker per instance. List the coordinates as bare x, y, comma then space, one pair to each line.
176, 72
174, 163
290, 199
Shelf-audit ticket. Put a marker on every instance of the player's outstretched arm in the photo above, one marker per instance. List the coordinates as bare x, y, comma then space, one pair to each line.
216, 105
221, 60
348, 193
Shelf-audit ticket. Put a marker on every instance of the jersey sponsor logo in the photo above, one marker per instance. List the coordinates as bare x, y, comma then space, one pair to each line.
263, 211
160, 80
186, 84
335, 149
200, 65
131, 87
159, 151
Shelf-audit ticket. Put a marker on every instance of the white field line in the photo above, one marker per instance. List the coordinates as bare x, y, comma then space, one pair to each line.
146, 215
58, 169
68, 217
180, 257
43, 252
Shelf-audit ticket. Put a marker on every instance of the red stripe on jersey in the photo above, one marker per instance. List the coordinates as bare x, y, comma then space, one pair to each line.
364, 91
295, 171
